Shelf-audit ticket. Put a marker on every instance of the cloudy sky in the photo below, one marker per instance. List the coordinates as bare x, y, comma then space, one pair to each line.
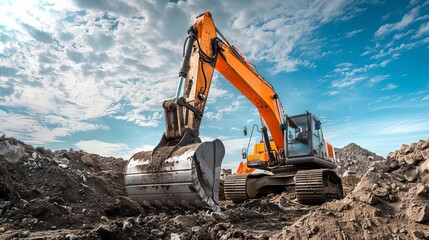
92, 75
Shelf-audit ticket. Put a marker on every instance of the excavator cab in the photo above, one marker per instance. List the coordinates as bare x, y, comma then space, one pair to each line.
298, 136
305, 143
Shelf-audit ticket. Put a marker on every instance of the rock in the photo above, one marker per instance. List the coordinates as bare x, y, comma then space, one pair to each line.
24, 233
424, 167
64, 166
421, 189
11, 150
71, 236
157, 233
411, 175
391, 156
394, 164
418, 212
409, 159
104, 218
104, 231
176, 236
380, 192
2, 230
126, 225
422, 145
401, 160
403, 148
425, 154
218, 216
418, 235
398, 177
63, 161
418, 156
409, 148
87, 160
5, 204
386, 185
369, 198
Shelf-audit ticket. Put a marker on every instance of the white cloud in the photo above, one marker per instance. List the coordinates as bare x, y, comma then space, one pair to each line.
41, 129
111, 149
102, 148
378, 78
423, 30
346, 64
390, 86
385, 62
346, 82
235, 129
398, 127
353, 33
425, 98
332, 93
398, 36
213, 116
406, 20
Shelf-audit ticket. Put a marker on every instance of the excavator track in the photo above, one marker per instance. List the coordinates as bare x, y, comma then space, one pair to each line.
235, 188
317, 186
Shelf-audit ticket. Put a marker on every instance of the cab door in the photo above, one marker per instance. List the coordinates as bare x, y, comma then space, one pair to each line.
316, 137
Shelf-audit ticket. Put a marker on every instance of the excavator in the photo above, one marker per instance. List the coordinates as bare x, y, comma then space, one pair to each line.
183, 173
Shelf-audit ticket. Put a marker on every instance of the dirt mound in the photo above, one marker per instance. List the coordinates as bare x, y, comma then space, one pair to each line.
390, 202
42, 190
354, 160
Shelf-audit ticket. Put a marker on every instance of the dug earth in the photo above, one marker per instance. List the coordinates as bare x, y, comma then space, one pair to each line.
72, 194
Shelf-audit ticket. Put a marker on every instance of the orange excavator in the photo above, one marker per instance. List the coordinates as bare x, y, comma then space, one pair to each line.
182, 172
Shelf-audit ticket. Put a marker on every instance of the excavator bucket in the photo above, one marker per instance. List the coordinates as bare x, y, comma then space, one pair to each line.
188, 179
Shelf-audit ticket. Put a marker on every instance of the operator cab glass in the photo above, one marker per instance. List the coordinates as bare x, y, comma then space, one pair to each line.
298, 136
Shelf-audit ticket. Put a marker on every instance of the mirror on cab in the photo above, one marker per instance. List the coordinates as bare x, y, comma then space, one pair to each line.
243, 153
245, 130
318, 124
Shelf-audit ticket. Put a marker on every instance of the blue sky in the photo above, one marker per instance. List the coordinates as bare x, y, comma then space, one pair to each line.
92, 75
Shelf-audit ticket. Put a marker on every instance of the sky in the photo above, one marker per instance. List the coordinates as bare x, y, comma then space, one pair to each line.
92, 75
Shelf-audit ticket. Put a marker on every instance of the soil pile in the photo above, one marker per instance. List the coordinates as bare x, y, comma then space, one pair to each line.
45, 190
390, 202
353, 162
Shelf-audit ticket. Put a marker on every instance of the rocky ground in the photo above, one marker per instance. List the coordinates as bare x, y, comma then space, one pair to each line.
77, 195
390, 202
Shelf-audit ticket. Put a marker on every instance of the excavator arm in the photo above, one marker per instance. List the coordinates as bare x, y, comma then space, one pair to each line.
205, 52
182, 172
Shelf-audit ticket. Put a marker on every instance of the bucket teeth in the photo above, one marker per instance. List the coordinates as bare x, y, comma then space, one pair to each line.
188, 179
